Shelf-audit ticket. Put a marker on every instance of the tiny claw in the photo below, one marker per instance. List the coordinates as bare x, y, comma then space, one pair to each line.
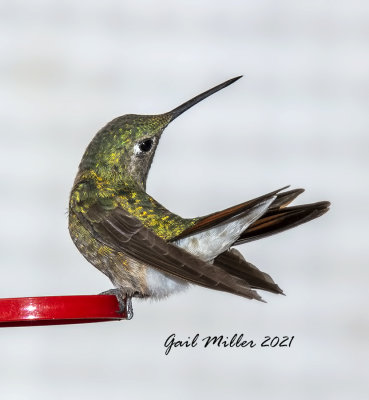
129, 308
124, 301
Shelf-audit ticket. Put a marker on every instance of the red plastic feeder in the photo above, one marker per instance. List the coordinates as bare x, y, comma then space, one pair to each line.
58, 310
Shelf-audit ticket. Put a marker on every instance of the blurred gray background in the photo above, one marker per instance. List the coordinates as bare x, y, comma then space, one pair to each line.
299, 116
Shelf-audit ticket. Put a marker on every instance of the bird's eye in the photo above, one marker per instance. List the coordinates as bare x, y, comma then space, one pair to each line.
146, 145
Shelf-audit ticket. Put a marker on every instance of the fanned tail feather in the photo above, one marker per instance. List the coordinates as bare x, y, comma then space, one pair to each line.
277, 220
278, 217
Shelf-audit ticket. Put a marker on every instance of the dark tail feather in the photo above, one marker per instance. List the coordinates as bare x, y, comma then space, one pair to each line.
285, 198
233, 262
216, 218
276, 220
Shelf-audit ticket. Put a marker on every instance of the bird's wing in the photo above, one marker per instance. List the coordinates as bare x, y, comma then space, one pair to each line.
123, 232
233, 262
277, 220
216, 218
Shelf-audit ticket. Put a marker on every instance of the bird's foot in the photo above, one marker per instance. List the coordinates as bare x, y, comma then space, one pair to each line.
125, 301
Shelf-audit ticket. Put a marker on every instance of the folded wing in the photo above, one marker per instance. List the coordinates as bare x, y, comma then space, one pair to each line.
121, 231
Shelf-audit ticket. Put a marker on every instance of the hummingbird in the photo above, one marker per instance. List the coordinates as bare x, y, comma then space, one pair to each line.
146, 250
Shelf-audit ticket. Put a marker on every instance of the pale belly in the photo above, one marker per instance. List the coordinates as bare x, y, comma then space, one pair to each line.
161, 285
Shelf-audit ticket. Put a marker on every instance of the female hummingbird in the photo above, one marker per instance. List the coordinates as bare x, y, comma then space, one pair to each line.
148, 251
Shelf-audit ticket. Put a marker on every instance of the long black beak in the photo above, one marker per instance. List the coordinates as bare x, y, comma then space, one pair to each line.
190, 103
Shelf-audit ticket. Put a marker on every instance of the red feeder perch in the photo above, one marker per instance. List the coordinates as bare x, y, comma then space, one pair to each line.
58, 310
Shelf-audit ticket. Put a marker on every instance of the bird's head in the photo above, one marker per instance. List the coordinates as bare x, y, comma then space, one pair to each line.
124, 148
